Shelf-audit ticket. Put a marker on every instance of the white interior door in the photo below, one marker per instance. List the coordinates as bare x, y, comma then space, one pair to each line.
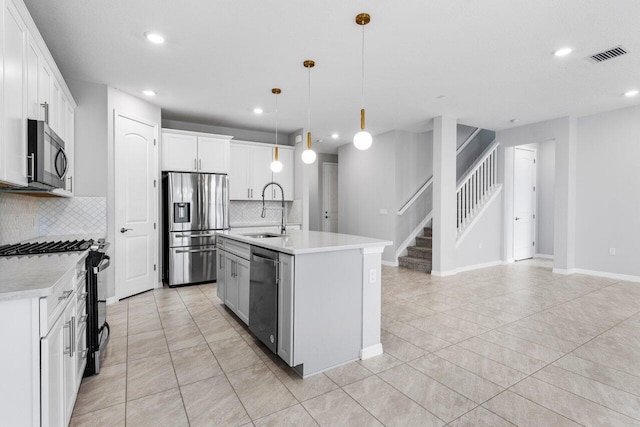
524, 207
330, 197
136, 206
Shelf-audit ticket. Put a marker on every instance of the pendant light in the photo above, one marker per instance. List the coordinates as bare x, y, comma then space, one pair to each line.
362, 140
308, 155
276, 165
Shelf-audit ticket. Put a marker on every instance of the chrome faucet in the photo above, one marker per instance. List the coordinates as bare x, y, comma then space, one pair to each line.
283, 227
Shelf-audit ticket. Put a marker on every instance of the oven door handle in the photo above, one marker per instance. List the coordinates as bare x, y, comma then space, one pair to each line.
103, 265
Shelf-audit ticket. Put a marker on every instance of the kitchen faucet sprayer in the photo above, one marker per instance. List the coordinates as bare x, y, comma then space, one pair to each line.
283, 228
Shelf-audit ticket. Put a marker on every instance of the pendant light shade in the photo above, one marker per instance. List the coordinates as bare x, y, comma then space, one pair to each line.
308, 155
276, 164
363, 139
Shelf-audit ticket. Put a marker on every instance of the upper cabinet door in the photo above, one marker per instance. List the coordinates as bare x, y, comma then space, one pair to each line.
261, 158
239, 172
54, 106
213, 155
45, 86
13, 165
33, 65
179, 152
285, 176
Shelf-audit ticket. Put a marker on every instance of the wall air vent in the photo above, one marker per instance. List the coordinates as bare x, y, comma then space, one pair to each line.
607, 54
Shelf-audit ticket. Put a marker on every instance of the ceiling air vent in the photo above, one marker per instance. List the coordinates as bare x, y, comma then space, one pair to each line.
607, 54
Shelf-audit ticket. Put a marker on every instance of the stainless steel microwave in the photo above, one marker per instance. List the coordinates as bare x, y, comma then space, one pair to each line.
47, 161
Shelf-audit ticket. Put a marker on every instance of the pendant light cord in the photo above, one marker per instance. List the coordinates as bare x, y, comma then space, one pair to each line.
276, 119
309, 104
362, 99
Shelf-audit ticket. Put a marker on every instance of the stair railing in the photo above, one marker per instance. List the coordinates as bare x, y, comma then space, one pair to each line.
415, 196
477, 185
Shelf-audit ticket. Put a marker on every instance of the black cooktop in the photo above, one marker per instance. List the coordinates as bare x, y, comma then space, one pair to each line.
45, 247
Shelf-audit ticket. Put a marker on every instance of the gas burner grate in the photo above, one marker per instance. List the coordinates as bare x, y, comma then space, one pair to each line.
45, 247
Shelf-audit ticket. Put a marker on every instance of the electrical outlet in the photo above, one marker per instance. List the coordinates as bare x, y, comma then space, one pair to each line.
612, 251
372, 275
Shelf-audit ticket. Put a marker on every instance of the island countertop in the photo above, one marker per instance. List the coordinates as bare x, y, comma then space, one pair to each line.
306, 242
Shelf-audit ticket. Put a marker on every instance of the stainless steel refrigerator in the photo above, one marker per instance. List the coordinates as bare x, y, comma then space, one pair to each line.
196, 205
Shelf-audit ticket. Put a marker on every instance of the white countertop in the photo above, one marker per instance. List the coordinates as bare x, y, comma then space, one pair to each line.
34, 276
307, 242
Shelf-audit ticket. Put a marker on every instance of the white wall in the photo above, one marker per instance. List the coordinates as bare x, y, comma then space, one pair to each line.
483, 244
608, 194
366, 184
90, 150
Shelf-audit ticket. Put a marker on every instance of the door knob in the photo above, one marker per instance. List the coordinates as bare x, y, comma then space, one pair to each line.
518, 219
124, 230
326, 217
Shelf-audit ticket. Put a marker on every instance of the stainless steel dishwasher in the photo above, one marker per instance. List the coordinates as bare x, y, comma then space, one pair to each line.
263, 296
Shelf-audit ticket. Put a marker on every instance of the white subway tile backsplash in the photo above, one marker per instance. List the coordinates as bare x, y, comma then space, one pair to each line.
243, 213
18, 218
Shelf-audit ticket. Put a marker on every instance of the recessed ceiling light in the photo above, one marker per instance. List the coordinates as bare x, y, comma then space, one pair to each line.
149, 92
154, 38
335, 136
564, 51
631, 93
514, 120
258, 110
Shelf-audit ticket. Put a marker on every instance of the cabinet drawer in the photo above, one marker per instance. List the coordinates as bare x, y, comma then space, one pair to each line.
53, 305
242, 250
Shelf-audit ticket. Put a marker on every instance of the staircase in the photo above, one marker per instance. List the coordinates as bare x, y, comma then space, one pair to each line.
419, 257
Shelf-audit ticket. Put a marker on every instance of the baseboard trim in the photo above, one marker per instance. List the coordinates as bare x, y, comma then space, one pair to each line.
390, 263
564, 272
371, 351
112, 300
444, 273
617, 276
543, 256
479, 266
508, 261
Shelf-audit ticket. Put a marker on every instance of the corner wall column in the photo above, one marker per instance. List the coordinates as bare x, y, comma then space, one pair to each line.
564, 241
444, 196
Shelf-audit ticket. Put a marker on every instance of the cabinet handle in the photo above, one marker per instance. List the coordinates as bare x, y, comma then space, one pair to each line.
252, 193
200, 164
248, 193
195, 164
32, 158
45, 105
73, 336
70, 183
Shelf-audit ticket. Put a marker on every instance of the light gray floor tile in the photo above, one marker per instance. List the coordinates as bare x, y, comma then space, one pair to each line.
138, 325
146, 344
523, 346
399, 348
481, 366
233, 354
150, 375
601, 373
163, 409
525, 413
260, 391
388, 405
194, 364
570, 405
303, 389
456, 378
116, 352
102, 391
338, 408
349, 373
480, 417
380, 363
113, 416
441, 401
184, 336
213, 402
293, 416
503, 355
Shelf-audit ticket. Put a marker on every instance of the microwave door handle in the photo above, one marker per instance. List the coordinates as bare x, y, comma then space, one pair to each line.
66, 163
55, 163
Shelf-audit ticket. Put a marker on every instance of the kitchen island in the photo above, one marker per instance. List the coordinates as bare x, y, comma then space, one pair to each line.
328, 294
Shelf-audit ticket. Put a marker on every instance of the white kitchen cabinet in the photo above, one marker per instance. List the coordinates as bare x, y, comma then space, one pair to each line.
250, 171
45, 85
213, 154
220, 275
231, 283
242, 276
52, 380
54, 108
285, 307
184, 151
33, 65
70, 359
13, 148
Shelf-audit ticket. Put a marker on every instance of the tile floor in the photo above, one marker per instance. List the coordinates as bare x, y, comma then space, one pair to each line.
510, 345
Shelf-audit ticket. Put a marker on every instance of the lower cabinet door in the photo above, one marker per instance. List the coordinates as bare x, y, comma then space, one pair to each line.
231, 283
70, 359
52, 376
220, 275
243, 289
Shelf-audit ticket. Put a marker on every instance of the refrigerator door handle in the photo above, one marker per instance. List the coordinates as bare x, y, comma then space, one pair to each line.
195, 250
195, 235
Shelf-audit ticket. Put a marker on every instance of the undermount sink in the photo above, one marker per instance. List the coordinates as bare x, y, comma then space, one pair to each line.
262, 235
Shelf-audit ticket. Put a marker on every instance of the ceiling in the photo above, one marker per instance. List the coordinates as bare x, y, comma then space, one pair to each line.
483, 61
